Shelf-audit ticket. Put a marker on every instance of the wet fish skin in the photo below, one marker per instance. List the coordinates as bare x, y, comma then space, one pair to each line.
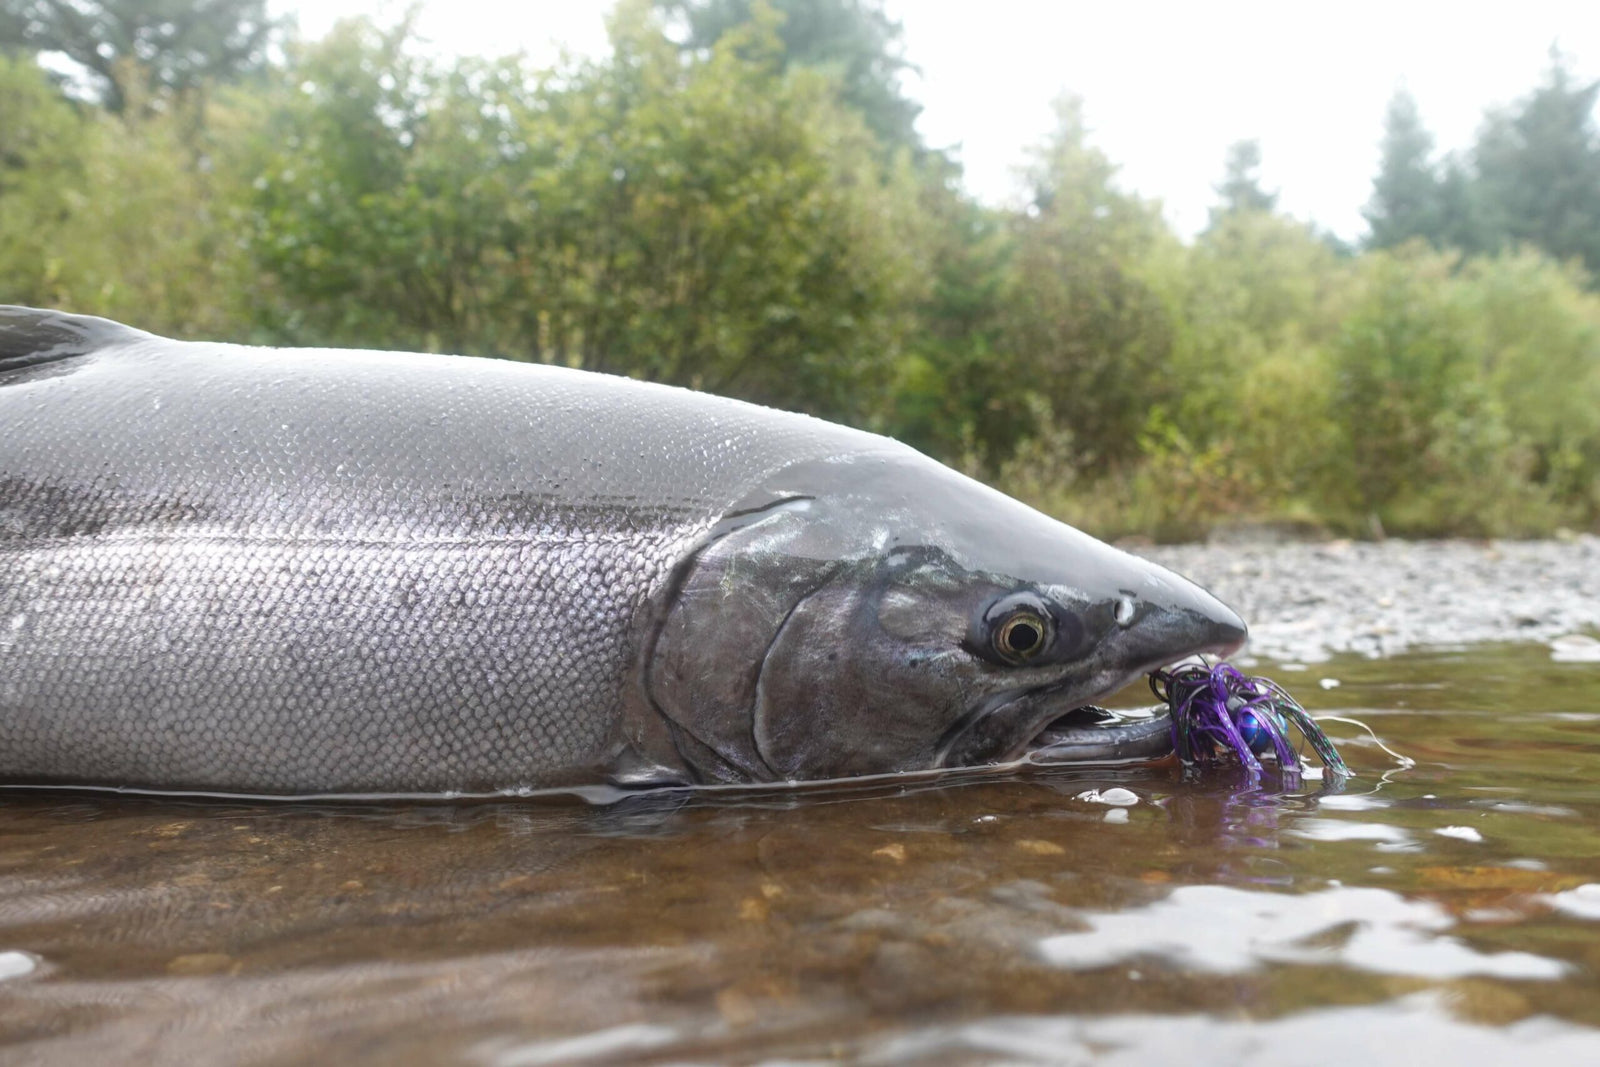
303, 571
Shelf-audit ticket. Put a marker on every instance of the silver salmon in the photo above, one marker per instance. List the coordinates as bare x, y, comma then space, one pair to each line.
308, 571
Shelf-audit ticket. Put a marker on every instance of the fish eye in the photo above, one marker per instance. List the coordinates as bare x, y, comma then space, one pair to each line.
1021, 636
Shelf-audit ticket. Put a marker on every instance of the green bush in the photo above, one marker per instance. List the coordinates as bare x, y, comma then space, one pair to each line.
721, 214
124, 216
718, 223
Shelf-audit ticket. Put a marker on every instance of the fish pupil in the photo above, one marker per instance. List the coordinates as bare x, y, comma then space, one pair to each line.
1023, 637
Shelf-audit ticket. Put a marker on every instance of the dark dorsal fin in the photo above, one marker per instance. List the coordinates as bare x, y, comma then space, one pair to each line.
31, 336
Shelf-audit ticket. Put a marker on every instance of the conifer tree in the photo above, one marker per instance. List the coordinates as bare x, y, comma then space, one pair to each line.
1240, 190
852, 39
1407, 194
1538, 169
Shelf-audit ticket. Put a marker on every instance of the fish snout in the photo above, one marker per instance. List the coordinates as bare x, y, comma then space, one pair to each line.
1168, 617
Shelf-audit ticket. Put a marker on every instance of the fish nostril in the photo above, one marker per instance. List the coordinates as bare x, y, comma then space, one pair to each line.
1124, 611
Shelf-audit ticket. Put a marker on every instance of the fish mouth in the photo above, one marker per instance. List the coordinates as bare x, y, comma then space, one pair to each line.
1060, 722
1095, 734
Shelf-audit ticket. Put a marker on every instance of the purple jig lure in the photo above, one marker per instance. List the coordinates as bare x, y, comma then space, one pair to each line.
1216, 710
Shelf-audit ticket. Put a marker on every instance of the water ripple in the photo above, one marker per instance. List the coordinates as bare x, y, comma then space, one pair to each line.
1223, 930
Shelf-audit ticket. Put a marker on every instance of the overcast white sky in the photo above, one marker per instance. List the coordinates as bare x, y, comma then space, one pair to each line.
1167, 86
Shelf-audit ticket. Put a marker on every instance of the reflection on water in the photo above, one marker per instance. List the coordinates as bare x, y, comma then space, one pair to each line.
1420, 1028
1198, 928
1448, 912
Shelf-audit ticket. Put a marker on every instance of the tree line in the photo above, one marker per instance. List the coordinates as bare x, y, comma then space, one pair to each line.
735, 198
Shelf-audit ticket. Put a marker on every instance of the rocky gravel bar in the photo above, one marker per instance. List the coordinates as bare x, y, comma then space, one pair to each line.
1307, 602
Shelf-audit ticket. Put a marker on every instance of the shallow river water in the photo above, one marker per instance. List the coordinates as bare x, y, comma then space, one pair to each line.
1445, 913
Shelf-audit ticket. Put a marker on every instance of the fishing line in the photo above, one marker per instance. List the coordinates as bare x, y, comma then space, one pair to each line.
1405, 762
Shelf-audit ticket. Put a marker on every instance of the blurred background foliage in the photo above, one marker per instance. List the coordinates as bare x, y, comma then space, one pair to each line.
736, 199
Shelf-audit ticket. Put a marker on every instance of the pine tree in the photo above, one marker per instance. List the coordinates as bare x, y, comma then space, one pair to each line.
1407, 194
1240, 190
1459, 217
852, 38
1538, 169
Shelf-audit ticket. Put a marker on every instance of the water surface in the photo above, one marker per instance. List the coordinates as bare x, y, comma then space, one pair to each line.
1448, 913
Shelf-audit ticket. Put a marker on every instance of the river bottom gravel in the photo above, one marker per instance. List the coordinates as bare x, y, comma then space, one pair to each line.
1306, 602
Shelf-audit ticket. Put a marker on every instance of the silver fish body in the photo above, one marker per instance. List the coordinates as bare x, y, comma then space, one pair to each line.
305, 571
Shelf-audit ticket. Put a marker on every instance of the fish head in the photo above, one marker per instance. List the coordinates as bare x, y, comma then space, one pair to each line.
884, 613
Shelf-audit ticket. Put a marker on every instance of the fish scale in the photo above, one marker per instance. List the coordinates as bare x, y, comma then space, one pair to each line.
306, 571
